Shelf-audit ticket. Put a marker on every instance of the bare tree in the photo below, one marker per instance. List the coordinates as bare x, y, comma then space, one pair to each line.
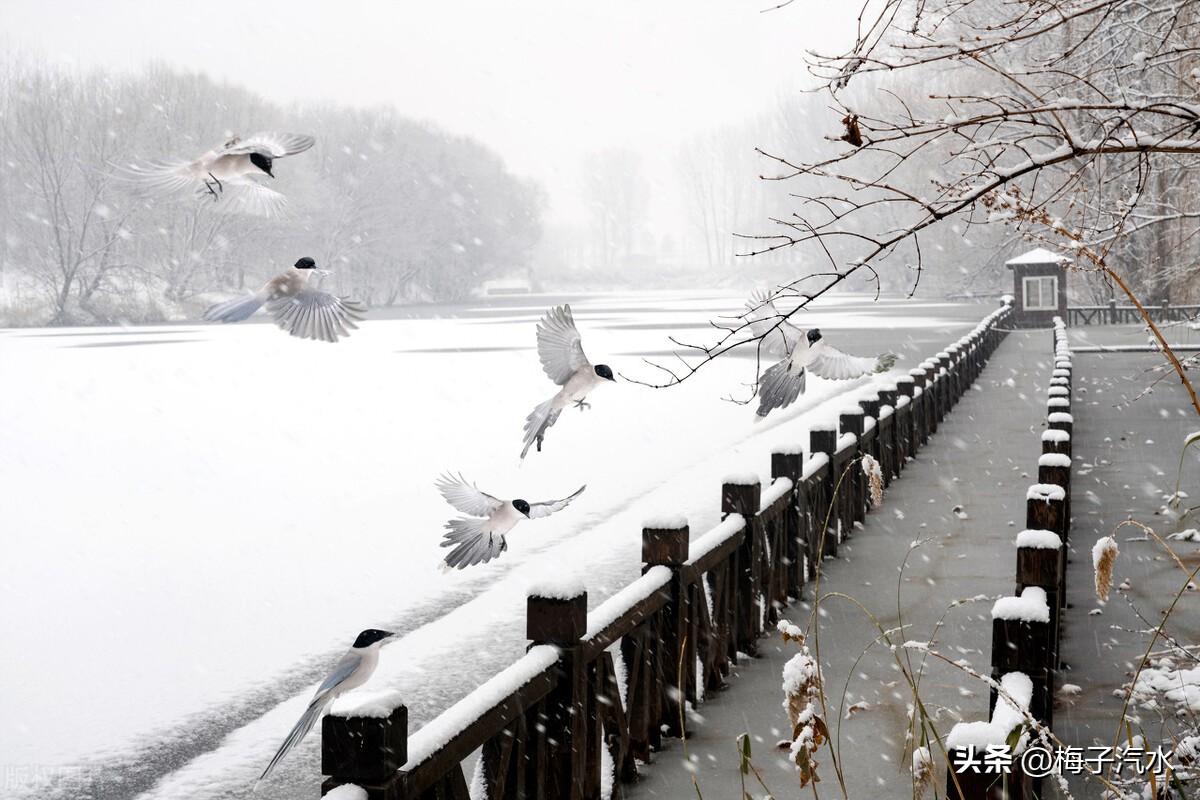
1070, 122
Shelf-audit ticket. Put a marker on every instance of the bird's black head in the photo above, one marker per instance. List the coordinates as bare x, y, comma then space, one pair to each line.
370, 636
305, 263
522, 506
814, 335
604, 371
262, 162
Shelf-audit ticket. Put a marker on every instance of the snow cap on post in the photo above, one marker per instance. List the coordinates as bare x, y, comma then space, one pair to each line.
556, 613
741, 494
665, 541
1031, 606
1045, 492
1039, 540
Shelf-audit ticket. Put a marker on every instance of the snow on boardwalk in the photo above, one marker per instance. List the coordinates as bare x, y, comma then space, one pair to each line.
1126, 457
983, 457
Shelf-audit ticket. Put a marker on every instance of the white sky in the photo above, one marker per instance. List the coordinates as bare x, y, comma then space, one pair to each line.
542, 81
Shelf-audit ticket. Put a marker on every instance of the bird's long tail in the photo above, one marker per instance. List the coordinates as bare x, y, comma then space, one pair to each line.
301, 729
234, 310
541, 418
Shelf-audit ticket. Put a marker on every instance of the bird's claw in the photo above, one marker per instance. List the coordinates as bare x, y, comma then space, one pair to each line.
582, 404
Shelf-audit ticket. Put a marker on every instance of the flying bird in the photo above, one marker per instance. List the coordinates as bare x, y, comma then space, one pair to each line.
479, 537
802, 352
353, 670
297, 308
561, 351
228, 174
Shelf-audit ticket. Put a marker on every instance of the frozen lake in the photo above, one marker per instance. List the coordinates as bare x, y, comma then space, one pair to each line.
198, 519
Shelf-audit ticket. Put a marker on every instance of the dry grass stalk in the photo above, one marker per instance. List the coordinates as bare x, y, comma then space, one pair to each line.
802, 694
874, 479
1104, 558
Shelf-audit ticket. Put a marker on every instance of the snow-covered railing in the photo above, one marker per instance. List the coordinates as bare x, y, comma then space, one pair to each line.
1113, 314
616, 678
1026, 626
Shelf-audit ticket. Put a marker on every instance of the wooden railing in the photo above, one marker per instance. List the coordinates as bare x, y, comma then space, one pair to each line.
1026, 627
1113, 314
596, 692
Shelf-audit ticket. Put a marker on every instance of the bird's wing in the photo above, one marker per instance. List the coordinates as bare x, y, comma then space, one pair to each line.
779, 337
548, 507
162, 177
246, 196
345, 667
325, 694
559, 345
466, 497
472, 541
779, 387
313, 314
832, 364
270, 143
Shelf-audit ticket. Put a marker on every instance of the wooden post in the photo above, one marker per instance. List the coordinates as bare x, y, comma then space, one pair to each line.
1040, 563
367, 751
825, 441
933, 390
890, 442
874, 441
1060, 421
668, 547
1014, 785
920, 408
905, 387
950, 392
744, 498
854, 483
562, 621
1045, 507
1055, 440
1028, 643
790, 464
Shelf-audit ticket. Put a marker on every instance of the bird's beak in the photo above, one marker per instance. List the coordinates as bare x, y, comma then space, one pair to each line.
324, 273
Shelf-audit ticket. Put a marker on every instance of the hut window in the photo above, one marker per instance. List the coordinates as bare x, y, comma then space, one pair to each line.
1040, 293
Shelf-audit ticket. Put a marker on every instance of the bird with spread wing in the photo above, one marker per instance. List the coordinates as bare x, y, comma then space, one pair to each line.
479, 537
228, 174
299, 309
560, 349
801, 351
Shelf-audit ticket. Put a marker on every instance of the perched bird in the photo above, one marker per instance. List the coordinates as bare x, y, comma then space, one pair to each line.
479, 537
801, 351
561, 352
297, 308
353, 670
227, 173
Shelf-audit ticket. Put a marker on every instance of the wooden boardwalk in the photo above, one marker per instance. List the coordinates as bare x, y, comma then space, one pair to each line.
982, 458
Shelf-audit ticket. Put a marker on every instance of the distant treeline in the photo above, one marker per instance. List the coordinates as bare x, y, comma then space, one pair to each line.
399, 209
